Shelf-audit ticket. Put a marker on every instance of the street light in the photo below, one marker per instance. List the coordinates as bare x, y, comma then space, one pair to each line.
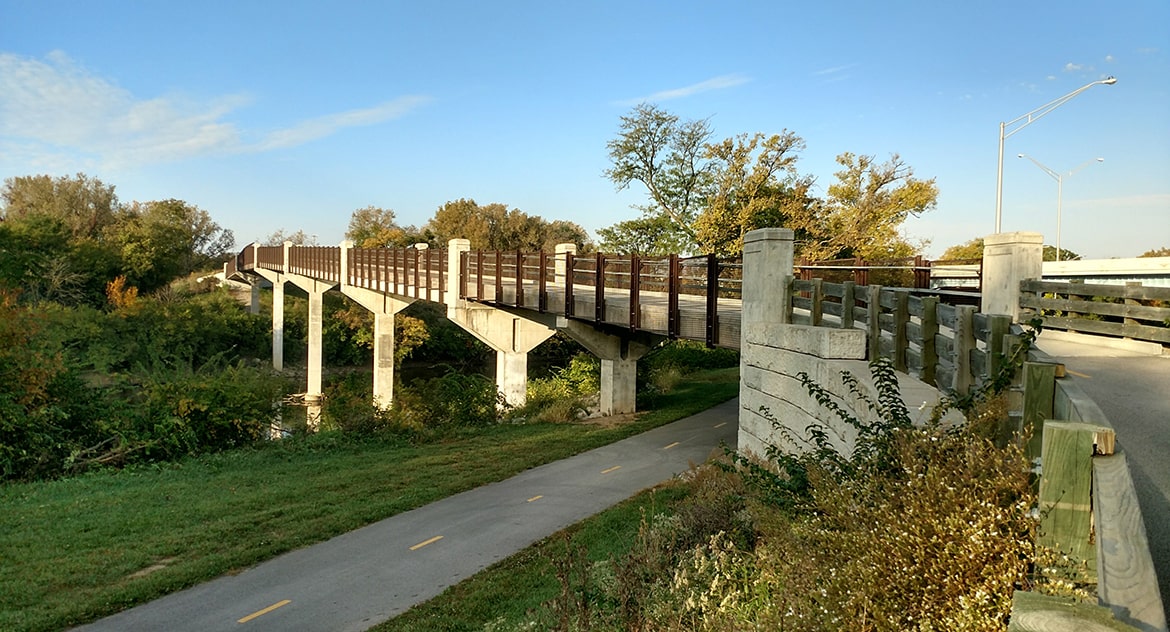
1028, 119
1059, 177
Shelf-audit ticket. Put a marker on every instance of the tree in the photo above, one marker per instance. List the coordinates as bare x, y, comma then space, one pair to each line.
1049, 254
84, 206
299, 238
373, 227
495, 227
163, 240
970, 250
667, 156
645, 236
755, 185
864, 210
1158, 252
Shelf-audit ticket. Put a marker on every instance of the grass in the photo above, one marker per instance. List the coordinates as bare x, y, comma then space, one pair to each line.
75, 550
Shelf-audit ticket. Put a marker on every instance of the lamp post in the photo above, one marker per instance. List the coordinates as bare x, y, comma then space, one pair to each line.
1027, 119
1059, 177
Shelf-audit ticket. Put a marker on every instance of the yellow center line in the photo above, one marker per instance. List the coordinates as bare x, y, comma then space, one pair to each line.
670, 446
1078, 374
720, 425
535, 498
426, 542
260, 613
612, 469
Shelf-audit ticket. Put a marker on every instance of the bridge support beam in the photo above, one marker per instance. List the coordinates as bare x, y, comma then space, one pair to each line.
619, 355
316, 290
384, 308
510, 335
277, 280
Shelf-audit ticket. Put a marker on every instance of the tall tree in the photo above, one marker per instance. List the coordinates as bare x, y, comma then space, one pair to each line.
163, 240
646, 236
755, 185
668, 157
1157, 252
374, 227
297, 238
495, 227
864, 210
969, 250
84, 206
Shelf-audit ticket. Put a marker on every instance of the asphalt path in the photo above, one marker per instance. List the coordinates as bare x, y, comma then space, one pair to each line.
364, 577
1133, 390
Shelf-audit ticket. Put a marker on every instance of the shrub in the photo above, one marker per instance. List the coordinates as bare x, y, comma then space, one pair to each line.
454, 399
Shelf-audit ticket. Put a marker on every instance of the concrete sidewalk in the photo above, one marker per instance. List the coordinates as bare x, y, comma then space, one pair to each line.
364, 577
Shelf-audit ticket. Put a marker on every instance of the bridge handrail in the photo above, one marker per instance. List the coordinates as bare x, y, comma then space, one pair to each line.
1131, 311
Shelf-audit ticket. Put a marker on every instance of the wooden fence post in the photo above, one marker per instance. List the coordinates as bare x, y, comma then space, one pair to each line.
848, 303
817, 300
874, 321
901, 319
964, 343
1039, 391
1066, 510
929, 326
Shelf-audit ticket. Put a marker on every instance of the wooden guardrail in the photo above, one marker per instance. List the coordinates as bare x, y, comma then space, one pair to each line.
1089, 514
952, 347
1130, 311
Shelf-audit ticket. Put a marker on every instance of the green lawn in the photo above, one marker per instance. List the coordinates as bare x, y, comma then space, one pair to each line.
75, 550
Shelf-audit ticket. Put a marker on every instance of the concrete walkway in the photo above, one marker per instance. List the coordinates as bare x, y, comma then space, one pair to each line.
364, 577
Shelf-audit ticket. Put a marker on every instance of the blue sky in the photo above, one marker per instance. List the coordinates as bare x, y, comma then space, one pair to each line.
292, 115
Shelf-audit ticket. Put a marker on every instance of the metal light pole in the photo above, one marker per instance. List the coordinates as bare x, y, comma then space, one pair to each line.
1028, 119
1059, 177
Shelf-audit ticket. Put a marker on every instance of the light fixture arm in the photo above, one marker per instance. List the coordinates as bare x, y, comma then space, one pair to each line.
1024, 121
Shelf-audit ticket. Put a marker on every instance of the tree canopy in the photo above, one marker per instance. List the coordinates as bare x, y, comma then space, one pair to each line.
374, 227
706, 195
63, 239
495, 227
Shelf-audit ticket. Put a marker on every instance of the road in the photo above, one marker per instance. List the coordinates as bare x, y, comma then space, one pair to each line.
1133, 390
364, 577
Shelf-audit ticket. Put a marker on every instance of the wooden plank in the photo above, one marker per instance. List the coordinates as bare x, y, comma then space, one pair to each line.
1126, 580
848, 304
901, 318
1096, 289
1034, 612
1122, 330
1065, 492
1039, 381
998, 328
816, 306
873, 313
1118, 310
929, 325
964, 342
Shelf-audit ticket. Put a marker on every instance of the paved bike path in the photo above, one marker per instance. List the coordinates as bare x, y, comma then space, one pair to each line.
363, 577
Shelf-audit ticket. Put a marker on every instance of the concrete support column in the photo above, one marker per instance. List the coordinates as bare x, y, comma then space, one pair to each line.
384, 308
254, 306
1009, 258
767, 270
619, 357
512, 376
278, 323
316, 321
383, 360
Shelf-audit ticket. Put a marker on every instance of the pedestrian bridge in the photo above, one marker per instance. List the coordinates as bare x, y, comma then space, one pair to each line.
620, 307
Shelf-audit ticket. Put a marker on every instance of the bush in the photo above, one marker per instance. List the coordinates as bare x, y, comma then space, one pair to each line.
563, 396
454, 399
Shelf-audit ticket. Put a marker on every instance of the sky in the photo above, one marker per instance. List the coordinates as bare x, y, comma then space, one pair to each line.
289, 116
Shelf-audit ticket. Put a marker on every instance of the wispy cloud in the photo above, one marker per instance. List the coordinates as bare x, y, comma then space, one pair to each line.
834, 70
53, 111
721, 82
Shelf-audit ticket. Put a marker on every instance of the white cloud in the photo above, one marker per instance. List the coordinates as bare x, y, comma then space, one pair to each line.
834, 70
716, 83
55, 111
321, 127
